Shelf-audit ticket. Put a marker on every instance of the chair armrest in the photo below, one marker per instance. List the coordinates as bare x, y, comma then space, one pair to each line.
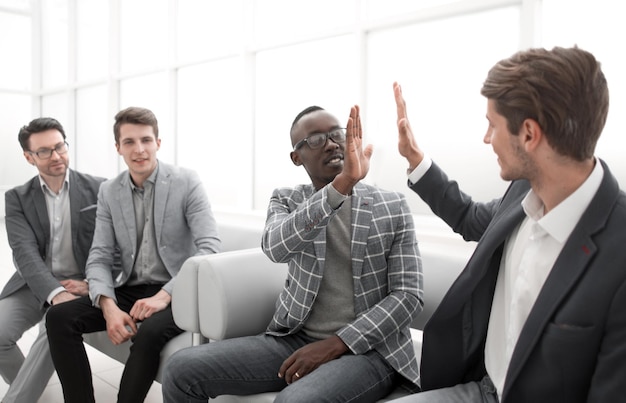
185, 295
238, 292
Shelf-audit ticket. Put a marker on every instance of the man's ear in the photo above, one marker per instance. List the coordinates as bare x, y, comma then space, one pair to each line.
531, 134
29, 158
295, 158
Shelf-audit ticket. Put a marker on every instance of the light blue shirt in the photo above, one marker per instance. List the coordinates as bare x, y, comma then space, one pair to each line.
60, 255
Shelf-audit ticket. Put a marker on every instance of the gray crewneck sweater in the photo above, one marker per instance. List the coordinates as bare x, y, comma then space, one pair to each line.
334, 305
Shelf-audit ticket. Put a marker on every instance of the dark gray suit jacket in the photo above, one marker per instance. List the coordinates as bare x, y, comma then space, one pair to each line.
572, 347
28, 231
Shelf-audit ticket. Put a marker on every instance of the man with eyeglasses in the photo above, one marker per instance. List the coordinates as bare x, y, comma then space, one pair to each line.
50, 222
340, 331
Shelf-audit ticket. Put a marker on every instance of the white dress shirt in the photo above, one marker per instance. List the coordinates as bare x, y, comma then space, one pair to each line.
529, 254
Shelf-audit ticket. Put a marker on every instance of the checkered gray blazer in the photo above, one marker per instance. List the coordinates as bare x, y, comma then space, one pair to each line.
386, 267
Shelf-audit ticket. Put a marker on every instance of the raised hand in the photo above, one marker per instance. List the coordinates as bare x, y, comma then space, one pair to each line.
356, 159
407, 145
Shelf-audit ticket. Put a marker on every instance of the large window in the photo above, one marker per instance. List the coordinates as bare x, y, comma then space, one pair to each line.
55, 56
214, 136
441, 75
226, 79
15, 39
95, 145
92, 40
144, 35
16, 79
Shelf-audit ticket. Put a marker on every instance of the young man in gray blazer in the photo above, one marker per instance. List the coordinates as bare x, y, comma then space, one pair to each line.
50, 222
155, 216
340, 331
538, 314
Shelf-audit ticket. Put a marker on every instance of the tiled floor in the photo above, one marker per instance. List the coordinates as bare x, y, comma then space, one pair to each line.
106, 371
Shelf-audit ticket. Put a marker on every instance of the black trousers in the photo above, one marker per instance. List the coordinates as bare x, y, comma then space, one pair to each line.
67, 322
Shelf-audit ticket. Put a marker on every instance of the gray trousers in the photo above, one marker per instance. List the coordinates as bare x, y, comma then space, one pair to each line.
28, 376
472, 392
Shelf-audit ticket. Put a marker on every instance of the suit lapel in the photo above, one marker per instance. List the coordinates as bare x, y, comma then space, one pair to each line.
161, 192
361, 219
39, 200
75, 205
128, 210
569, 266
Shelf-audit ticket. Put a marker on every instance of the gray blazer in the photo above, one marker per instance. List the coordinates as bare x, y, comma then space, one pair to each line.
28, 231
572, 347
386, 268
183, 220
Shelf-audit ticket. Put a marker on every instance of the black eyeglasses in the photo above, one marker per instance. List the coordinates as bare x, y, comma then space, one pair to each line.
46, 153
318, 140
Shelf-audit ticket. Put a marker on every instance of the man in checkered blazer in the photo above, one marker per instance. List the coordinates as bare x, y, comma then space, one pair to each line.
340, 331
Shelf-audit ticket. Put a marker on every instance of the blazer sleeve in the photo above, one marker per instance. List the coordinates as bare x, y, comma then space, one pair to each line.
466, 217
197, 220
294, 221
28, 247
102, 255
199, 217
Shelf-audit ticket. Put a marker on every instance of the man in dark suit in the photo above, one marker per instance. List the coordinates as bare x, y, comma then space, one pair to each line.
537, 315
50, 222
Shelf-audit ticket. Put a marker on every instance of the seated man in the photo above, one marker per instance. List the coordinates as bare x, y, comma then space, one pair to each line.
341, 326
537, 315
156, 216
50, 222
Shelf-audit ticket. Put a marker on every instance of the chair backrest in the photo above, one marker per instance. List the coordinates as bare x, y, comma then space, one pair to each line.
238, 234
441, 265
238, 290
238, 293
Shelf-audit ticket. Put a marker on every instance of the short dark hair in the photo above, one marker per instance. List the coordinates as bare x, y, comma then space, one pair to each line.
37, 126
563, 89
304, 112
135, 115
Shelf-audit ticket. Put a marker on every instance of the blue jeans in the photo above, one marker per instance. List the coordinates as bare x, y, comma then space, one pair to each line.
472, 392
249, 365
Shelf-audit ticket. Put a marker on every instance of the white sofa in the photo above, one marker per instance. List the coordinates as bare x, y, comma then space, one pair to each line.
237, 291
213, 294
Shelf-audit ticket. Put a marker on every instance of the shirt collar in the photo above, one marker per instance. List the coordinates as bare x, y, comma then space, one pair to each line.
561, 220
46, 188
151, 179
